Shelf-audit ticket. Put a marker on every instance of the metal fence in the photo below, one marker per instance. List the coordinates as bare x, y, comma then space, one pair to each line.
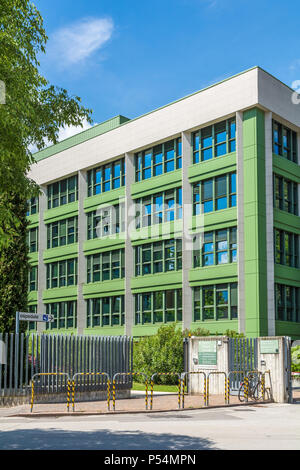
242, 359
30, 354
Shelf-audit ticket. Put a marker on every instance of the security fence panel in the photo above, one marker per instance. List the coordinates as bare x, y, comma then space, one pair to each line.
242, 359
49, 357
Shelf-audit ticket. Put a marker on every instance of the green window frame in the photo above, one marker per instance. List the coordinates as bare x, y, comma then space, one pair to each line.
64, 313
214, 141
158, 208
63, 232
63, 192
215, 302
287, 303
284, 141
33, 278
32, 238
62, 273
215, 247
286, 248
106, 177
105, 312
32, 206
158, 257
160, 159
107, 221
285, 194
158, 307
106, 266
215, 194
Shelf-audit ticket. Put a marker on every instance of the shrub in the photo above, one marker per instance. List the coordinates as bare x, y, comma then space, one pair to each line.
162, 352
295, 359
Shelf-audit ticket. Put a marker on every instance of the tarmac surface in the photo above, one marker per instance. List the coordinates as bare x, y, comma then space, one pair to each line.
265, 426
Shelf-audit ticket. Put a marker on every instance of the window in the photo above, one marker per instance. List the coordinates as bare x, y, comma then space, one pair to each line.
284, 142
287, 303
62, 192
62, 273
285, 195
65, 315
158, 307
215, 193
107, 221
159, 208
32, 206
160, 159
215, 247
215, 302
106, 177
286, 248
33, 278
153, 258
214, 141
62, 233
106, 266
105, 312
33, 239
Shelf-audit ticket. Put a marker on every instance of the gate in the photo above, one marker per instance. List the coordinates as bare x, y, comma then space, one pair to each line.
242, 359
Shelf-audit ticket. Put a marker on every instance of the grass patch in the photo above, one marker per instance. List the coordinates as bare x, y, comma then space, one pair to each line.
156, 388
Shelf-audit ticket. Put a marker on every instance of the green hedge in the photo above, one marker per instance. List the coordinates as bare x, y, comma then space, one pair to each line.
163, 352
296, 359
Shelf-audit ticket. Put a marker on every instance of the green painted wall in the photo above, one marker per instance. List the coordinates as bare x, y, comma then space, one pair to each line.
255, 224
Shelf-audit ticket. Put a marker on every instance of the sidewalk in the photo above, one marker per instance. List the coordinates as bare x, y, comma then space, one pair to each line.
161, 402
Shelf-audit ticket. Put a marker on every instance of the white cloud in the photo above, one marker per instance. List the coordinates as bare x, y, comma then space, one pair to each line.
69, 131
294, 65
77, 42
65, 133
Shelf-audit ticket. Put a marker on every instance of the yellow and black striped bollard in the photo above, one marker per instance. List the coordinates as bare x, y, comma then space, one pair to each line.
108, 395
263, 386
73, 395
32, 395
206, 380
68, 395
151, 395
114, 395
146, 396
246, 384
179, 392
228, 391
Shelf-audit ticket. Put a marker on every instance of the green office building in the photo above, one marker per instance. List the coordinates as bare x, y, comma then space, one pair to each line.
188, 214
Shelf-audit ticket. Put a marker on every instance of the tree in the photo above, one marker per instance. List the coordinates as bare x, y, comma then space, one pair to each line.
34, 110
14, 269
33, 113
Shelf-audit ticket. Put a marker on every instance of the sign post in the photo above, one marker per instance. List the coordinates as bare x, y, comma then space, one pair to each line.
27, 316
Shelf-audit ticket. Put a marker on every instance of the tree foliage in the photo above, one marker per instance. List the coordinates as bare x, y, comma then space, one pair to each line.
163, 352
14, 272
34, 110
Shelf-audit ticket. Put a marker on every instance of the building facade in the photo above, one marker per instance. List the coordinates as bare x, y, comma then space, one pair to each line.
188, 214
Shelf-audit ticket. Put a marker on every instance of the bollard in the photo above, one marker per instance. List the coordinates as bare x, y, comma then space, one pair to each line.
108, 395
146, 396
114, 394
179, 392
68, 395
151, 395
32, 395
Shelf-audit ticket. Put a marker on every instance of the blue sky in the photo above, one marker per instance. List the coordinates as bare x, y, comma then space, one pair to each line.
130, 57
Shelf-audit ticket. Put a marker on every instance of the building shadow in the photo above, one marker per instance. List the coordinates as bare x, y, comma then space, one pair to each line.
104, 439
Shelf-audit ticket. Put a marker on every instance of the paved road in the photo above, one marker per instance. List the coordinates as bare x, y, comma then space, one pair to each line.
272, 426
